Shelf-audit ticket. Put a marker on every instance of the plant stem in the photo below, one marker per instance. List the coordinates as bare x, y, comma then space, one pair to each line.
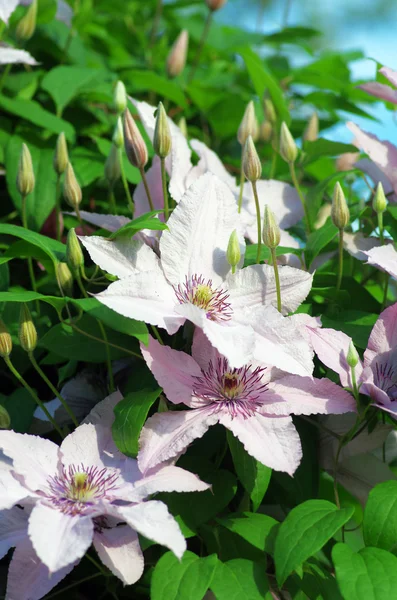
53, 389
276, 278
39, 403
354, 383
112, 200
165, 192
156, 333
385, 291
340, 261
30, 260
200, 46
125, 182
242, 180
380, 225
58, 207
258, 222
5, 74
300, 194
147, 190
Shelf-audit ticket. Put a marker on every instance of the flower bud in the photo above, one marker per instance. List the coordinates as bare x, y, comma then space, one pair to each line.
183, 127
25, 176
134, 144
27, 331
340, 214
248, 124
162, 134
233, 252
74, 253
27, 25
5, 341
251, 162
112, 166
266, 132
311, 132
61, 156
64, 279
271, 230
380, 201
269, 110
5, 419
288, 148
215, 4
71, 189
176, 60
118, 135
352, 357
120, 97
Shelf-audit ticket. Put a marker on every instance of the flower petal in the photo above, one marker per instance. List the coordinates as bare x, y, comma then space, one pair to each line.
166, 478
380, 90
384, 333
108, 222
92, 446
119, 550
11, 491
390, 74
209, 161
357, 245
103, 413
153, 178
7, 7
13, 528
10, 56
384, 258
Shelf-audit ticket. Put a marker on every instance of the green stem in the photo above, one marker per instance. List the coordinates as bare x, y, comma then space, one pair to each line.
156, 333
112, 200
30, 260
53, 389
385, 290
147, 190
125, 183
276, 278
340, 261
58, 207
233, 269
300, 194
165, 192
354, 383
200, 46
5, 74
258, 222
381, 230
39, 403
242, 180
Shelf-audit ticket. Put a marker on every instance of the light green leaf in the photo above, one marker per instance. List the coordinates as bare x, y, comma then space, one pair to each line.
240, 579
53, 249
323, 147
185, 579
148, 81
318, 240
257, 529
380, 517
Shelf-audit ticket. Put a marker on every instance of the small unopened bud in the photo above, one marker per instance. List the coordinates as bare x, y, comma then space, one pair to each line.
266, 131
25, 176
5, 341
61, 156
183, 126
5, 419
311, 132
233, 252
27, 25
64, 279
74, 253
176, 60
271, 230
352, 357
134, 144
118, 135
112, 166
288, 148
248, 124
380, 201
269, 110
251, 162
27, 331
120, 97
340, 214
162, 134
71, 189
215, 4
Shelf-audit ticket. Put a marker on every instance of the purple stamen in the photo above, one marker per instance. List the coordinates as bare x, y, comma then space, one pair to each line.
200, 292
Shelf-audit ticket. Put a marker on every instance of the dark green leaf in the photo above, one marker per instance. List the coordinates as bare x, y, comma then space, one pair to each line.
257, 529
240, 579
318, 240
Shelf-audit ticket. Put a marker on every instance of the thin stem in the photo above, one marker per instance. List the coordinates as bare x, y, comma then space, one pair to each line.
277, 278
233, 269
354, 383
340, 261
385, 290
58, 207
53, 389
156, 333
5, 74
147, 190
381, 230
204, 35
30, 260
258, 222
112, 200
165, 192
125, 183
242, 181
39, 403
300, 194
336, 464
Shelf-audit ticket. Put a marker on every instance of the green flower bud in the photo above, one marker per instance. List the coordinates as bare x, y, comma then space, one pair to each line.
5, 419
5, 341
270, 111
248, 124
74, 253
134, 144
176, 60
27, 25
311, 132
27, 331
64, 279
71, 189
120, 97
380, 201
271, 230
288, 148
118, 135
266, 132
183, 126
352, 357
162, 135
215, 4
61, 156
251, 162
25, 176
233, 252
112, 166
340, 214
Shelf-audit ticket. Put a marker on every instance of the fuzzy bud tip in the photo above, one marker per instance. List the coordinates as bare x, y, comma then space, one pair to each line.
248, 125
251, 162
27, 331
134, 144
352, 357
162, 134
25, 176
340, 214
311, 132
271, 230
183, 126
61, 156
233, 252
120, 97
380, 201
288, 147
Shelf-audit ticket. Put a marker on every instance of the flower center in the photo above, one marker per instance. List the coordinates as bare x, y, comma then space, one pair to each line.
201, 293
385, 377
239, 391
79, 488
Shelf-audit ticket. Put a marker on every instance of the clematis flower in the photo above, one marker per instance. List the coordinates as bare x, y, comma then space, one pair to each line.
380, 90
86, 492
192, 279
384, 257
255, 408
377, 376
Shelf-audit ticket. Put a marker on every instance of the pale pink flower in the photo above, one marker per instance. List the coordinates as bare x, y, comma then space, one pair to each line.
86, 492
380, 90
246, 401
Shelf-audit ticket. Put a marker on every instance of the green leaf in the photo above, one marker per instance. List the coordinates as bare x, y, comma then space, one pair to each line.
185, 579
20, 406
52, 248
355, 323
143, 222
131, 172
240, 579
315, 194
148, 81
130, 416
304, 532
369, 574
251, 250
323, 147
88, 165
254, 476
257, 529
380, 517
318, 240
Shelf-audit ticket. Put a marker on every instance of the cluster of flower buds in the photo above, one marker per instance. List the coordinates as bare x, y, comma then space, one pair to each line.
27, 25
340, 214
162, 135
176, 60
61, 155
71, 189
25, 176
